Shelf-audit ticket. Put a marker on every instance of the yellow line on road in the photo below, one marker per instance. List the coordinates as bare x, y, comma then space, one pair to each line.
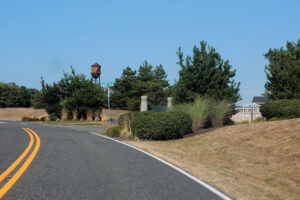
21, 157
23, 168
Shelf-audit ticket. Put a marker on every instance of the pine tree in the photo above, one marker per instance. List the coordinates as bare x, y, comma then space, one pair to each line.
205, 74
283, 72
129, 88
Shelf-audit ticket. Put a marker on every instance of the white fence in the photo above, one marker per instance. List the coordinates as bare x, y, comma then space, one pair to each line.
249, 113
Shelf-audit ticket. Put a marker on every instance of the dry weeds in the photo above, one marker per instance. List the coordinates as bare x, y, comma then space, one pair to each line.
18, 113
250, 161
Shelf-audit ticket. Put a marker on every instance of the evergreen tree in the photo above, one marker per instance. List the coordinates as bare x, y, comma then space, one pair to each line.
283, 72
205, 74
12, 95
73, 91
129, 88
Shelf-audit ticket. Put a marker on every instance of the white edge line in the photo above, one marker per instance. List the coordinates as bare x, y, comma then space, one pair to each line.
212, 189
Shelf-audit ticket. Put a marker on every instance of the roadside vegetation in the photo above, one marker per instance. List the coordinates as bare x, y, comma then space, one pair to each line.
12, 95
251, 161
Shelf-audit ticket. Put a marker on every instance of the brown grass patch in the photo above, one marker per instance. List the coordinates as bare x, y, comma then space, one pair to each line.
18, 113
251, 161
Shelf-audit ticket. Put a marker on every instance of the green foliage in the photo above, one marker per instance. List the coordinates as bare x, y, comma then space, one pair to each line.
242, 122
276, 119
125, 120
283, 72
161, 125
259, 119
198, 111
129, 88
52, 118
204, 110
205, 74
12, 95
284, 108
43, 119
49, 98
73, 91
218, 112
113, 132
29, 119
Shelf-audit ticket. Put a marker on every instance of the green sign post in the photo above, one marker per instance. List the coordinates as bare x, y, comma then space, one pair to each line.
108, 84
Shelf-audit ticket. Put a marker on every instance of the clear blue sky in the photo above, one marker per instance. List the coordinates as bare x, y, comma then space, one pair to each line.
47, 37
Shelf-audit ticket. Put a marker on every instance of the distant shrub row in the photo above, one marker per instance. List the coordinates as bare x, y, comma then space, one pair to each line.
156, 125
285, 108
33, 119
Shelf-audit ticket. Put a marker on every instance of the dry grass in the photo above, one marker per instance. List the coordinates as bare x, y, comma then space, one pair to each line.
114, 114
250, 161
18, 113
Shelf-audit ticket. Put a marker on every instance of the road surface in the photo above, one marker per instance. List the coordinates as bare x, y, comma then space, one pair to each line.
73, 164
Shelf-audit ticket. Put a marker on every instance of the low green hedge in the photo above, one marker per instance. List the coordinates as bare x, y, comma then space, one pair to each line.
30, 119
113, 132
285, 108
160, 125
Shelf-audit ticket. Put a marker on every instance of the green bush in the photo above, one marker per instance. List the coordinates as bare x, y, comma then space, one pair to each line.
259, 119
113, 132
284, 108
276, 119
125, 119
161, 125
242, 122
29, 119
43, 119
53, 118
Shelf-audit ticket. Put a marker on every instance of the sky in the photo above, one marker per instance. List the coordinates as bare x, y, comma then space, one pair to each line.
44, 38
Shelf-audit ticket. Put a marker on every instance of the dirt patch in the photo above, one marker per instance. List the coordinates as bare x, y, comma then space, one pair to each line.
251, 161
18, 113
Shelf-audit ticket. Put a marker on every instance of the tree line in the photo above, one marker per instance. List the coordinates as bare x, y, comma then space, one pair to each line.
12, 95
205, 73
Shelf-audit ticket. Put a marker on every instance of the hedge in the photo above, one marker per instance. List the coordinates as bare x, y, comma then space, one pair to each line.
285, 108
160, 125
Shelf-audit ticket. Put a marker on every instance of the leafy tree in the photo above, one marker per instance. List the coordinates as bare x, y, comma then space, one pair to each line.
205, 74
50, 98
129, 88
283, 72
73, 91
12, 95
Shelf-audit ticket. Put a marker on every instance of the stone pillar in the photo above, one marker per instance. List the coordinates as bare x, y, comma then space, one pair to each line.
144, 103
169, 105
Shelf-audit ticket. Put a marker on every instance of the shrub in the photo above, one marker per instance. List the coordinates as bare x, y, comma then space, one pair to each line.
242, 122
29, 119
126, 118
113, 132
285, 108
161, 125
276, 119
52, 118
218, 110
259, 119
198, 111
205, 111
43, 119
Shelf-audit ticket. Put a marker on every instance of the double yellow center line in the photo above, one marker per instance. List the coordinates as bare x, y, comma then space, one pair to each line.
33, 137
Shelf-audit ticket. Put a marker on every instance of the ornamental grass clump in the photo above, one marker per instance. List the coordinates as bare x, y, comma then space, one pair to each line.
204, 110
199, 111
218, 111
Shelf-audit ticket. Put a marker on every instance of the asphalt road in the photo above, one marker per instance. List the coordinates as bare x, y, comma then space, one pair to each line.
74, 164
